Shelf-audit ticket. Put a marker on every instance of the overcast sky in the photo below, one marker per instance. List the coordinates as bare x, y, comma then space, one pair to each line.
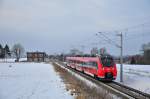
56, 26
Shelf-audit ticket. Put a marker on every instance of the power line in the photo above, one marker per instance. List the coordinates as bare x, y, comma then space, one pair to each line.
108, 40
134, 27
133, 37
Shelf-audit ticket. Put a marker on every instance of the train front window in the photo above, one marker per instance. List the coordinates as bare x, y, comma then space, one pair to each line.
107, 61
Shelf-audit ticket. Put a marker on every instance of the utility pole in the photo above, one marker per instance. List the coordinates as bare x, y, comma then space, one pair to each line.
82, 49
121, 56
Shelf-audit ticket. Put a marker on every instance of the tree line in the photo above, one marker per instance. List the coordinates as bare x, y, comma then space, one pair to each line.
143, 58
16, 51
4, 52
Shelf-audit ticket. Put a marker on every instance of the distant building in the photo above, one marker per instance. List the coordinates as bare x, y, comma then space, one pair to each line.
94, 51
36, 56
75, 52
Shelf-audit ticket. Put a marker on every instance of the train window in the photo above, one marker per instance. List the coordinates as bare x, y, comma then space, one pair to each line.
74, 61
95, 64
83, 63
90, 64
107, 61
79, 62
71, 61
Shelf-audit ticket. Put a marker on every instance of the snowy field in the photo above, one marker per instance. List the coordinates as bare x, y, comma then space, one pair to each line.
136, 76
31, 81
11, 60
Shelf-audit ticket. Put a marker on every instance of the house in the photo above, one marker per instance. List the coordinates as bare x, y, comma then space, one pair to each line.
36, 56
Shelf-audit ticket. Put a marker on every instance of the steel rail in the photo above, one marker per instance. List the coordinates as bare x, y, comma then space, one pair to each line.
130, 91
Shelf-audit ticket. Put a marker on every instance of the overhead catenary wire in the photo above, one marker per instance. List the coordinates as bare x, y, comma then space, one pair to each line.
108, 40
134, 32
133, 27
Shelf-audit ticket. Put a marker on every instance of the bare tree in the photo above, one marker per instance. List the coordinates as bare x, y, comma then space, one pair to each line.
18, 51
146, 53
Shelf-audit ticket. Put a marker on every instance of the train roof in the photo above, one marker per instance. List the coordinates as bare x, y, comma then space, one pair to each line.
88, 58
83, 58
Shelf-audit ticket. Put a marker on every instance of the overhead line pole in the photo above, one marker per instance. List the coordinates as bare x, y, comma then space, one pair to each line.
121, 56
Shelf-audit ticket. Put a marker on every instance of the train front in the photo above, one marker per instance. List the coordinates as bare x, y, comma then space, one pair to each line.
108, 68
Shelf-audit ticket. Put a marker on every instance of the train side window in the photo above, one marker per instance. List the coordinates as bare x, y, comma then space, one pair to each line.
89, 64
83, 63
69, 61
74, 61
93, 64
79, 62
96, 65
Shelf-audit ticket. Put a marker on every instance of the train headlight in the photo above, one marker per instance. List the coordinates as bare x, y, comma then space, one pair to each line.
102, 68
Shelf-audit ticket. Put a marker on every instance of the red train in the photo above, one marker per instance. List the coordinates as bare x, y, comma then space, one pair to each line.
101, 67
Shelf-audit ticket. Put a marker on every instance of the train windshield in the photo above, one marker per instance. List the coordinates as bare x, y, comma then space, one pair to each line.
107, 61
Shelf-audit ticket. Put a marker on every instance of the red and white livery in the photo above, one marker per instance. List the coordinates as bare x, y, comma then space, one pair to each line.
101, 67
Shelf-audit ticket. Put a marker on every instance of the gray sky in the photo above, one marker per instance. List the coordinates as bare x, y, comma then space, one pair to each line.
56, 26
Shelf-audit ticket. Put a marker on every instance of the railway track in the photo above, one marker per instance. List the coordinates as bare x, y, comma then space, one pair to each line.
125, 91
129, 91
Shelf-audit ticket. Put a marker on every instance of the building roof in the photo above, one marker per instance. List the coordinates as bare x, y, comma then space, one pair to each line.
36, 52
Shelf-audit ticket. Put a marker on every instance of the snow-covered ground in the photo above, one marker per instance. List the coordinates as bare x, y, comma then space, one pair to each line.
31, 81
40, 81
136, 76
12, 60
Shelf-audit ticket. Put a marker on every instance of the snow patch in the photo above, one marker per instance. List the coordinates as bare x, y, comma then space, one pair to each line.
136, 76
